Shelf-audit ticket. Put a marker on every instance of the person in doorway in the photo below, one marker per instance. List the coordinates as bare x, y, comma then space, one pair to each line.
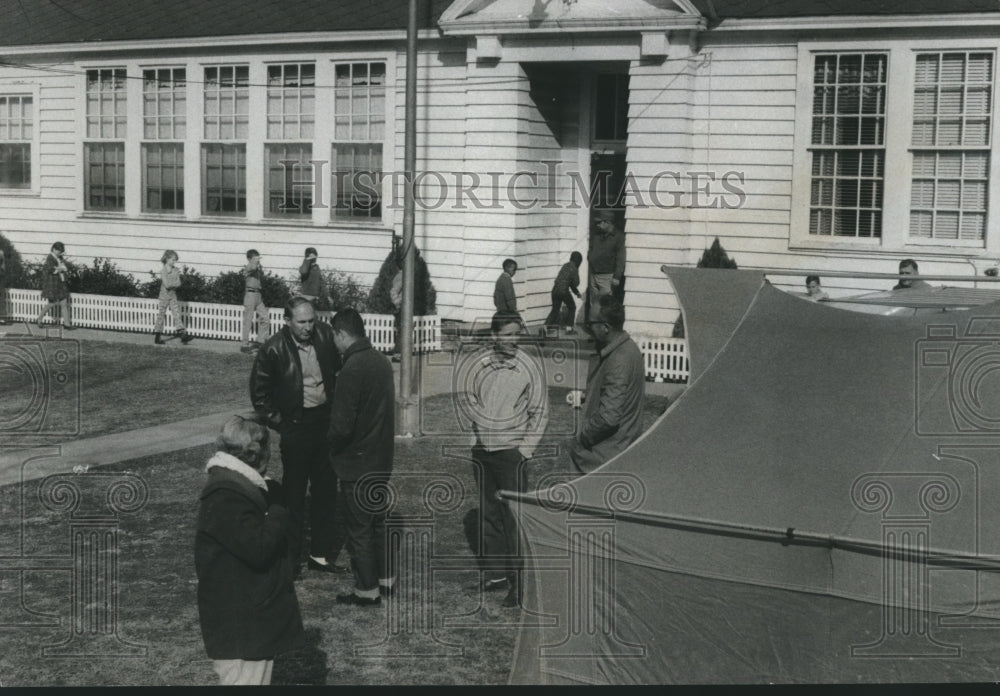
605, 259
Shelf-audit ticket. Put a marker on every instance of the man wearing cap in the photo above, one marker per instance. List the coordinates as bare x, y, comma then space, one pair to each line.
606, 258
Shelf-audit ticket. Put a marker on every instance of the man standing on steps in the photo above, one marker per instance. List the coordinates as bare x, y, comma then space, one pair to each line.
360, 433
605, 260
291, 386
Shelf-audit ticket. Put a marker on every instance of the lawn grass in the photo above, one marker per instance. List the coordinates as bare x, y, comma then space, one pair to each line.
123, 386
155, 572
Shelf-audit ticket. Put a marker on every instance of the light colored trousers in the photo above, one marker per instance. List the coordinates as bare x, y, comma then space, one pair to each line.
170, 301
599, 285
243, 672
254, 303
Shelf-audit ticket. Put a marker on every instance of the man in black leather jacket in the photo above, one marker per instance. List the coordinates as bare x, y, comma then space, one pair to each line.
291, 387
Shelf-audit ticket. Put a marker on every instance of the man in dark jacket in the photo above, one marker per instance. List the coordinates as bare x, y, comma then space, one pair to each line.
291, 386
616, 391
360, 436
246, 600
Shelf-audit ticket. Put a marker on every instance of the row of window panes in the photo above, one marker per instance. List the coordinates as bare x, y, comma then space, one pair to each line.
359, 102
15, 165
356, 179
952, 107
16, 117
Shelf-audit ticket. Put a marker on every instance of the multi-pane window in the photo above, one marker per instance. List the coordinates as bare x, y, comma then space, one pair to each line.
291, 101
291, 115
359, 132
16, 132
104, 157
227, 117
227, 102
104, 175
164, 112
224, 178
289, 179
848, 144
163, 177
952, 108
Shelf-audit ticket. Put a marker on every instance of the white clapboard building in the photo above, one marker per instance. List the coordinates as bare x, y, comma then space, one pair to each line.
839, 135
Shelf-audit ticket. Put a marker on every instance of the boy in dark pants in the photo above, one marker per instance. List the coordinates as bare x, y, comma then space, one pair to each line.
509, 410
563, 289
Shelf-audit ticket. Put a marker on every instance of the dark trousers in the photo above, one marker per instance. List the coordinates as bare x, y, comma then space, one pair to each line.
501, 470
364, 519
305, 457
558, 300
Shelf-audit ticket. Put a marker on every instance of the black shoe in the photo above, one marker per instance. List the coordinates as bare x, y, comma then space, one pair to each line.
359, 601
186, 338
322, 567
69, 327
157, 340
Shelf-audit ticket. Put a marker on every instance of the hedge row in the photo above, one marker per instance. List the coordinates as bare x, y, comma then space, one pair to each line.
103, 277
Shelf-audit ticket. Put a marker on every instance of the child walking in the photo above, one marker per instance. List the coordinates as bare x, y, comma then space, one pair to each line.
170, 280
567, 281
253, 302
54, 286
246, 600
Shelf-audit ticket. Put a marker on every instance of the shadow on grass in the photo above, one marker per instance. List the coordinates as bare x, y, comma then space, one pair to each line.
305, 666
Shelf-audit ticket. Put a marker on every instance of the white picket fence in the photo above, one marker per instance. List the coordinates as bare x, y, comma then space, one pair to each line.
666, 358
203, 319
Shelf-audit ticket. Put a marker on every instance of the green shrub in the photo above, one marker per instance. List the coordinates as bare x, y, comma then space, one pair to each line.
103, 278
424, 294
16, 275
342, 290
713, 257
32, 274
229, 288
716, 257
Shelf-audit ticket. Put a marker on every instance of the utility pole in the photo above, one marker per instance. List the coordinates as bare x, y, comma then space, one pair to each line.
406, 400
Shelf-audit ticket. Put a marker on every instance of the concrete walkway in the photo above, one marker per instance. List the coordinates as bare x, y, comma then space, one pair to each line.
434, 373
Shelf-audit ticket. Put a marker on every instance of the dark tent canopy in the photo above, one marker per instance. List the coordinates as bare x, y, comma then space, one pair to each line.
821, 505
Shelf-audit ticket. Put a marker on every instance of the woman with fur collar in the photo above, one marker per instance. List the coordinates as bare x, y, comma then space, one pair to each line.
246, 600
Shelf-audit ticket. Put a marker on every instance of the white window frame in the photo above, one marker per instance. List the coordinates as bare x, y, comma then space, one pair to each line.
172, 139
898, 152
388, 158
296, 139
130, 155
26, 89
321, 217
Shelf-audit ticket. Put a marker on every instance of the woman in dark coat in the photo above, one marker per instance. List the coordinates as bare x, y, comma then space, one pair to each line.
54, 287
246, 600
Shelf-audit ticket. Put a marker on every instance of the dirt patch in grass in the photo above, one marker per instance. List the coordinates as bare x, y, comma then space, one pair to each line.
439, 632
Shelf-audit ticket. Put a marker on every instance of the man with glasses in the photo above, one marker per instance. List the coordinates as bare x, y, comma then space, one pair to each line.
616, 390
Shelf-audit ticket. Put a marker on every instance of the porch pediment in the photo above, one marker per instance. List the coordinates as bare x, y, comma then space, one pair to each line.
543, 16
